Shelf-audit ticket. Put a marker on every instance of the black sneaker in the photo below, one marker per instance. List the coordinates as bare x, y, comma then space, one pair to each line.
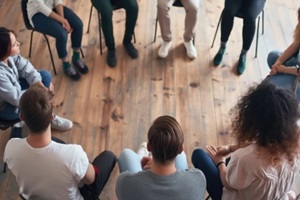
72, 73
17, 132
82, 68
131, 50
111, 58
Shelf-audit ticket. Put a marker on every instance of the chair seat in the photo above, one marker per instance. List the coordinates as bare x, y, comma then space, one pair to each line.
5, 124
178, 3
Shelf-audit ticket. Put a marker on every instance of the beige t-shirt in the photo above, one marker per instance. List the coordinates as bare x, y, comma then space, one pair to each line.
254, 177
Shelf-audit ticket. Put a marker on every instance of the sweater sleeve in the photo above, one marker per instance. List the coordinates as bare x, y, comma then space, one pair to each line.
26, 70
41, 7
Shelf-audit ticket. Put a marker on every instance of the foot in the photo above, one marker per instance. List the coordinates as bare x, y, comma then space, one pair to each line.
131, 50
219, 56
111, 58
163, 50
142, 150
79, 64
190, 49
72, 73
61, 124
241, 64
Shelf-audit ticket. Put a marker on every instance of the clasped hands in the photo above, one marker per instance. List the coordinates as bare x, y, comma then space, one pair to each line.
218, 154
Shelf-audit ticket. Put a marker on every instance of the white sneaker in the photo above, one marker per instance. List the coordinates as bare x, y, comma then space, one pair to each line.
190, 49
163, 50
61, 124
142, 150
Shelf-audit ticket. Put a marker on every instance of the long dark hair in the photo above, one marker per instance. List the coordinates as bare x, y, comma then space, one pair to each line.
297, 29
268, 115
5, 43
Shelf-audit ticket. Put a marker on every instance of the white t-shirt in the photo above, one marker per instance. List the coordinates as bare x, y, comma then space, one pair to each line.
41, 6
253, 176
52, 172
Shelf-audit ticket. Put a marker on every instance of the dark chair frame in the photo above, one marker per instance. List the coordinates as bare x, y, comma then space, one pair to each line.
177, 3
5, 124
32, 29
240, 15
100, 25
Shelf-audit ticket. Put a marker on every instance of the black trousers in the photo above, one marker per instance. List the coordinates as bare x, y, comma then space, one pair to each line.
250, 10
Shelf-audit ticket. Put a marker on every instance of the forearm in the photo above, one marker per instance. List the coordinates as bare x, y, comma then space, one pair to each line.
60, 10
289, 52
56, 17
222, 172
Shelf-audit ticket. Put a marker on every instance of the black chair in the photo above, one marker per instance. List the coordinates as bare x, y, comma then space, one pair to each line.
177, 3
100, 24
240, 15
29, 27
5, 124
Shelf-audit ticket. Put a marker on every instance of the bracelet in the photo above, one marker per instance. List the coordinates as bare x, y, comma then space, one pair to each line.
220, 164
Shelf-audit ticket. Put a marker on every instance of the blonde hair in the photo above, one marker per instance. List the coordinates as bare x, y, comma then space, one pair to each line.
297, 29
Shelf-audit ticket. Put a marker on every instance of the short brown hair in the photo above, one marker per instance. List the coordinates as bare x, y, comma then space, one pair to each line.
36, 108
165, 138
5, 43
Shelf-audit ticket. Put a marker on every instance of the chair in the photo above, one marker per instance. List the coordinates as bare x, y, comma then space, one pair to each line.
5, 124
115, 7
29, 27
240, 15
177, 3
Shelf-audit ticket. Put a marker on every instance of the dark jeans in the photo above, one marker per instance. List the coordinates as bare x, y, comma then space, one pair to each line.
105, 8
53, 28
11, 112
104, 163
250, 10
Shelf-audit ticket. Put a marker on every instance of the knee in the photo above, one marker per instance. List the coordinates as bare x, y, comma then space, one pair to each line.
111, 155
196, 156
46, 77
132, 6
162, 6
192, 8
272, 57
228, 12
125, 153
77, 25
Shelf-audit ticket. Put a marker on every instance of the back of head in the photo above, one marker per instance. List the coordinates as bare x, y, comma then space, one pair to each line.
36, 108
268, 115
165, 138
297, 29
5, 43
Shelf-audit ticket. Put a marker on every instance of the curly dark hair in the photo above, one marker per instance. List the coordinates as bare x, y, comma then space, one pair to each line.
268, 115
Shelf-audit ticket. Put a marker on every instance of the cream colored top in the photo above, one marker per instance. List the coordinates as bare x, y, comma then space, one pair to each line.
254, 177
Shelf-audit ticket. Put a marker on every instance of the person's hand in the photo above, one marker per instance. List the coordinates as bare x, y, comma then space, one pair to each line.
212, 152
277, 69
223, 150
51, 88
146, 162
65, 24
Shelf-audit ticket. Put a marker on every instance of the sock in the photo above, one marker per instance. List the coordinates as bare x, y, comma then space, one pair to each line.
244, 52
223, 45
76, 56
66, 65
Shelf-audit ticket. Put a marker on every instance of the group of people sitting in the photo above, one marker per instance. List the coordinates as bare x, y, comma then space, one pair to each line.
261, 165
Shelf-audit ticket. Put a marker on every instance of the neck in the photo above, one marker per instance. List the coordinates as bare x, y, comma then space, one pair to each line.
163, 169
40, 140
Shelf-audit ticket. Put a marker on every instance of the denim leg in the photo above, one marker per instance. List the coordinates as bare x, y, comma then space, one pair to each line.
202, 161
9, 112
274, 55
77, 26
46, 77
180, 161
129, 161
48, 26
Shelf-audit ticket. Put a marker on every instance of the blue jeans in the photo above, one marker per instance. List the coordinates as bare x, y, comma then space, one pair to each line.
202, 161
131, 161
53, 28
274, 55
11, 112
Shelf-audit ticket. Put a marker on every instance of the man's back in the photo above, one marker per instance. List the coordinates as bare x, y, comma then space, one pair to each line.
51, 172
189, 184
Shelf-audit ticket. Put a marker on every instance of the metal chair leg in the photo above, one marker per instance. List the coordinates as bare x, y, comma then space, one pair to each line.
207, 197
30, 46
220, 19
257, 35
155, 32
51, 57
81, 53
4, 167
134, 40
263, 22
90, 18
100, 33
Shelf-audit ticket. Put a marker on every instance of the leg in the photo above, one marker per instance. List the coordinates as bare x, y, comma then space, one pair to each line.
104, 7
163, 9
46, 78
129, 161
251, 10
202, 161
9, 112
180, 161
191, 7
104, 163
274, 55
48, 26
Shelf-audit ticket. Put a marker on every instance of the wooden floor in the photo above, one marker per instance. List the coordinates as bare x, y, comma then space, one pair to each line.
113, 108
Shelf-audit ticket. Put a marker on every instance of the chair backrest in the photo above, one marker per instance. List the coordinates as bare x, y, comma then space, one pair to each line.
25, 15
5, 124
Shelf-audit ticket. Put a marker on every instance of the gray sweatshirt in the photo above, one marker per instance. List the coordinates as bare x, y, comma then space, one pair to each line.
10, 88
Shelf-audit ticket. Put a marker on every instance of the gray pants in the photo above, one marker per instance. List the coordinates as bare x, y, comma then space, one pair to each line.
163, 8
